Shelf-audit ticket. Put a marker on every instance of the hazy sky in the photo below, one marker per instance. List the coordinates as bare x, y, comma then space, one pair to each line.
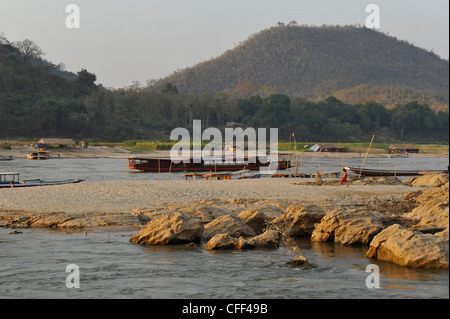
122, 41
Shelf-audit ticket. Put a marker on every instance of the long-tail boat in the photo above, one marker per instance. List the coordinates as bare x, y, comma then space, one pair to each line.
154, 164
381, 172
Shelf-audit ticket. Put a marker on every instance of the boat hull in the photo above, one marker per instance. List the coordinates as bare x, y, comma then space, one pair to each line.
375, 172
33, 183
166, 165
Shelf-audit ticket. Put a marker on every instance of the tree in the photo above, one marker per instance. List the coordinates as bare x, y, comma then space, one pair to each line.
28, 49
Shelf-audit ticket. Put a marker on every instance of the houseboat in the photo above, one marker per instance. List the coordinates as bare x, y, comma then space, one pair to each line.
152, 164
39, 155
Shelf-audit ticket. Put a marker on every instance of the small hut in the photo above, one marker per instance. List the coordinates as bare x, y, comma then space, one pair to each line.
402, 149
327, 147
56, 143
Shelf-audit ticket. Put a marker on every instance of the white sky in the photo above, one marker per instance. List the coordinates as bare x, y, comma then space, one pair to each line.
122, 41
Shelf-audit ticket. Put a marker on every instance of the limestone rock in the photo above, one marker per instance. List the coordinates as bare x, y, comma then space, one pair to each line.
254, 219
269, 239
410, 248
348, 227
174, 229
298, 220
221, 241
227, 224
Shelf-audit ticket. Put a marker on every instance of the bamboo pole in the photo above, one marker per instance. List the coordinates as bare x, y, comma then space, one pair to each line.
312, 161
338, 158
367, 153
159, 170
301, 162
395, 172
170, 168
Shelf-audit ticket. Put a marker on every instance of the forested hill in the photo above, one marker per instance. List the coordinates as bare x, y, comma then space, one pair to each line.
314, 62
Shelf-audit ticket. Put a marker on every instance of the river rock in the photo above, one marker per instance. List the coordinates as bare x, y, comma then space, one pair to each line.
298, 220
410, 248
221, 241
254, 219
269, 239
432, 211
348, 227
227, 224
174, 229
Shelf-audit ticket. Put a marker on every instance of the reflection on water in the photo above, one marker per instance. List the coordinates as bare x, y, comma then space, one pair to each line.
32, 265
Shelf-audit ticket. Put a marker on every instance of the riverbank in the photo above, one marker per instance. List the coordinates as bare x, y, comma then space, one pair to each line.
349, 216
124, 152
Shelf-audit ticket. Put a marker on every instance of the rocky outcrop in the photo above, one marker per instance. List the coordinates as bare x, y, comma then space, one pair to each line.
410, 248
269, 239
254, 219
298, 220
174, 229
22, 219
221, 241
348, 227
227, 224
432, 211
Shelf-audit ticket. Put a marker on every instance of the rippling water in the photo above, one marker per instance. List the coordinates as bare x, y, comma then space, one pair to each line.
33, 262
115, 169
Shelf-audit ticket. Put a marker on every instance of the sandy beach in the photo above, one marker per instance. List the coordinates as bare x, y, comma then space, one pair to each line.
123, 197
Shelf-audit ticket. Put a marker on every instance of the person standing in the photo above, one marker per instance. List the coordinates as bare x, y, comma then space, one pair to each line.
344, 177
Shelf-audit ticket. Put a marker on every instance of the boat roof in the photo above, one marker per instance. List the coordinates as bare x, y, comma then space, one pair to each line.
9, 173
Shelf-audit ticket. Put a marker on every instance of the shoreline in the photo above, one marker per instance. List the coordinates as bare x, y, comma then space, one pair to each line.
119, 152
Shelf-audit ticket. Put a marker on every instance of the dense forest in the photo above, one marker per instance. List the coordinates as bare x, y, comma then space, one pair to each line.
315, 62
42, 100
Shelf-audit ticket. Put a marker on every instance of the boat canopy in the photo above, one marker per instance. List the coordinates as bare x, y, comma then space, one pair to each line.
6, 177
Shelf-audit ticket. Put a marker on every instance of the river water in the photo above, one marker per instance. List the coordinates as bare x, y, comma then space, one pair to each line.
33, 261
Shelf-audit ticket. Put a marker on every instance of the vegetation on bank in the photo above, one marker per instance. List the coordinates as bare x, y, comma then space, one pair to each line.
36, 101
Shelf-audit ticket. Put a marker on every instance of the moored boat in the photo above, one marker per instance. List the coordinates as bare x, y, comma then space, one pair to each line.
381, 172
152, 164
6, 158
12, 180
39, 155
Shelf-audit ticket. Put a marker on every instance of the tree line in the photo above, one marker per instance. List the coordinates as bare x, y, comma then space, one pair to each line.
36, 102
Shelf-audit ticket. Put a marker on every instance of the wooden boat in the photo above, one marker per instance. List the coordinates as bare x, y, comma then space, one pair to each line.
40, 155
381, 172
149, 164
6, 158
12, 180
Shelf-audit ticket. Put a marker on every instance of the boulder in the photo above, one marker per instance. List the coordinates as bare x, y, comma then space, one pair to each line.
348, 227
227, 224
410, 248
221, 241
432, 211
174, 229
254, 219
269, 239
298, 220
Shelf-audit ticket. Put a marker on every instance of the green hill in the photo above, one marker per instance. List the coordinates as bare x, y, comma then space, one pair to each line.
314, 62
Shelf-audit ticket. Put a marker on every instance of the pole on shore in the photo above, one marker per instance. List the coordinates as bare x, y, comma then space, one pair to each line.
367, 153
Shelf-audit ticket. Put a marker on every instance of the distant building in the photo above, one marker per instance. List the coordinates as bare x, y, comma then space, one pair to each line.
56, 143
402, 149
327, 147
233, 124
